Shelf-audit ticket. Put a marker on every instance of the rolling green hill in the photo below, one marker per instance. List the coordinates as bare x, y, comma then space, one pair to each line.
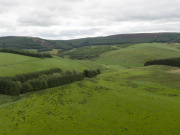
112, 103
125, 39
42, 44
13, 64
127, 98
138, 54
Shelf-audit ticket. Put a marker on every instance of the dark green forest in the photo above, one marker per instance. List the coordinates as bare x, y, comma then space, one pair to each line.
169, 62
39, 80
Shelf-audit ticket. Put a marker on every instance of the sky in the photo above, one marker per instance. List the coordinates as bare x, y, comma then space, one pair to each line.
71, 19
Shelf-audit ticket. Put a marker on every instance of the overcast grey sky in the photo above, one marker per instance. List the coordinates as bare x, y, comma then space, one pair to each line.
69, 19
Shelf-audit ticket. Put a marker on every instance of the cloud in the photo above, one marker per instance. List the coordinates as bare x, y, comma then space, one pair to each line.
67, 19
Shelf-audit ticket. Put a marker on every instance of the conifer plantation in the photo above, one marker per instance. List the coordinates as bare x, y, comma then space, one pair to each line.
34, 81
169, 62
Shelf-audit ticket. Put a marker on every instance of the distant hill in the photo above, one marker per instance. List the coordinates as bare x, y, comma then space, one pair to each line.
24, 43
43, 44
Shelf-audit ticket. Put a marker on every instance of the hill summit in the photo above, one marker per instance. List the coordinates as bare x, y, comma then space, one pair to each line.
39, 44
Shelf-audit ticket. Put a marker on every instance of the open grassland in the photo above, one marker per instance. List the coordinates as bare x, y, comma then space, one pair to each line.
113, 103
138, 54
13, 64
127, 101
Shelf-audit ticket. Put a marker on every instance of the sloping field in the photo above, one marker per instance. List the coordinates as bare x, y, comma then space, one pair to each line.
126, 101
112, 103
12, 64
137, 55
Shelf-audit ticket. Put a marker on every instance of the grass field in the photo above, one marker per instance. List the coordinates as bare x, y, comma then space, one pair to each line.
120, 101
12, 64
137, 55
111, 103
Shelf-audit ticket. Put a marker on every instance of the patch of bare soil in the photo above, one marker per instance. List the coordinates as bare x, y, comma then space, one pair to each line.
175, 71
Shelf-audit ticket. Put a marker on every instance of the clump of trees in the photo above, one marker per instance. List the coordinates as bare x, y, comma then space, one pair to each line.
27, 53
170, 62
41, 80
91, 73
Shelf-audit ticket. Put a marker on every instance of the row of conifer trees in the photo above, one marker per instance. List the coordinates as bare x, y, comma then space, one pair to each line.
170, 62
27, 53
41, 80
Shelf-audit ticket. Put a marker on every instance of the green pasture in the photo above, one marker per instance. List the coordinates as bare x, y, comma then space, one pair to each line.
126, 99
111, 103
136, 55
12, 64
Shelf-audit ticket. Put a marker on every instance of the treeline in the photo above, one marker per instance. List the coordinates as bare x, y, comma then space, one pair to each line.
14, 85
87, 52
41, 80
27, 53
170, 62
44, 50
25, 77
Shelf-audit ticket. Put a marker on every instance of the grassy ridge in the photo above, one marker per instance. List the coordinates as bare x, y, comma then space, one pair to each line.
124, 39
19, 43
108, 104
42, 44
13, 64
138, 54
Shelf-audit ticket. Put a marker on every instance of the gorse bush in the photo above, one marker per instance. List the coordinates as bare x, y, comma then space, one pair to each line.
27, 53
41, 80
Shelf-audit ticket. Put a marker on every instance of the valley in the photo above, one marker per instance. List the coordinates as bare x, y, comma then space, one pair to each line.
127, 98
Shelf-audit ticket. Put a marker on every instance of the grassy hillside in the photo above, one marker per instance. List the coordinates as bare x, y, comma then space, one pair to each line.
112, 103
125, 38
138, 54
19, 43
35, 43
12, 64
88, 52
137, 100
